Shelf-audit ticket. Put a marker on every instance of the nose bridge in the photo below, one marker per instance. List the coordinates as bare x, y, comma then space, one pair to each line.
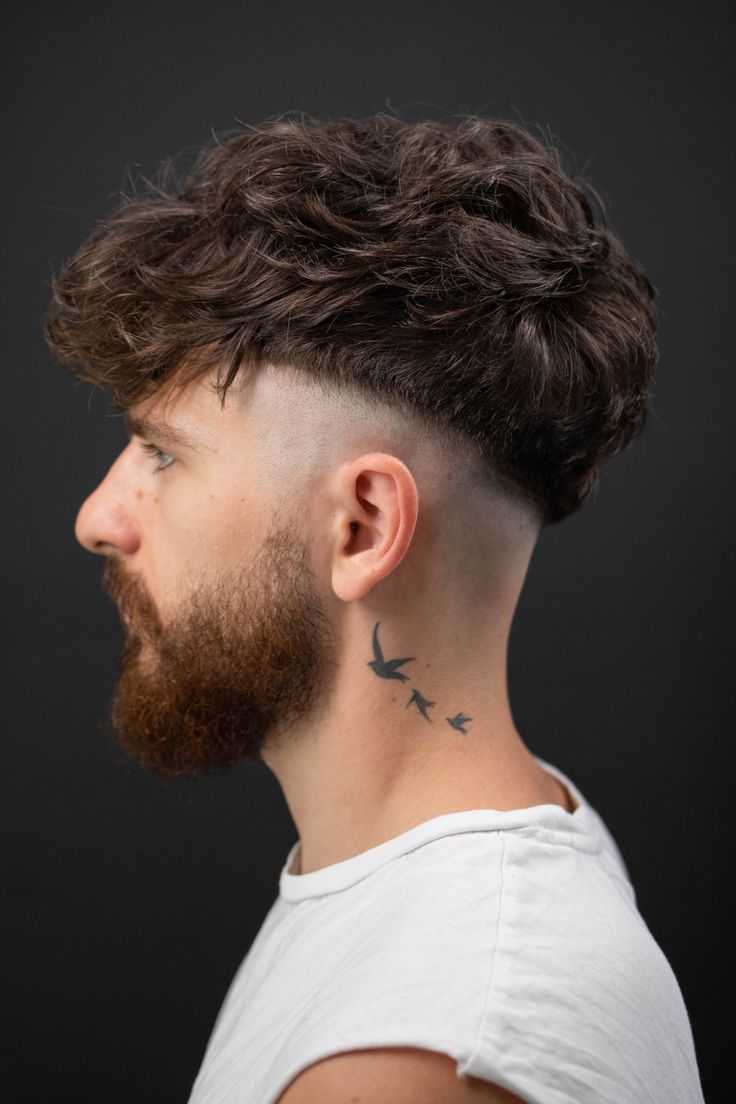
105, 521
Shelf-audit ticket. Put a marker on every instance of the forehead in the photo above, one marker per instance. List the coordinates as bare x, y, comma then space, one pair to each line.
191, 417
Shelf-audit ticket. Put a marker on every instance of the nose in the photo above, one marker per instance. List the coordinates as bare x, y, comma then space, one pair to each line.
105, 524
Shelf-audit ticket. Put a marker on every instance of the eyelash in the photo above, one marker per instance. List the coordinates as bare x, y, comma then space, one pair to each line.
153, 450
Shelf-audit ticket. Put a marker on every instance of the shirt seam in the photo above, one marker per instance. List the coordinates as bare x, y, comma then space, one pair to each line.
465, 1066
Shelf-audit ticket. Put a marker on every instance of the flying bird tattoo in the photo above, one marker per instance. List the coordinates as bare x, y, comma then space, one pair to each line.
458, 721
422, 703
387, 668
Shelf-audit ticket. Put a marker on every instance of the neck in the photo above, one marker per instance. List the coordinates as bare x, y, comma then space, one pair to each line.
388, 753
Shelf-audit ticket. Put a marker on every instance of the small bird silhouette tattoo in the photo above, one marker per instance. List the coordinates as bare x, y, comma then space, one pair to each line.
387, 668
423, 704
458, 721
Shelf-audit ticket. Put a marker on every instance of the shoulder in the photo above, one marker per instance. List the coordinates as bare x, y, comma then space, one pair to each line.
391, 1075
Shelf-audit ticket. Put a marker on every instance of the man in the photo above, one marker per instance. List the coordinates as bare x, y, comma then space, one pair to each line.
362, 364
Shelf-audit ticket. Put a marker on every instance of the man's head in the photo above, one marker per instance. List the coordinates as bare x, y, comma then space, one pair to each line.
232, 551
347, 319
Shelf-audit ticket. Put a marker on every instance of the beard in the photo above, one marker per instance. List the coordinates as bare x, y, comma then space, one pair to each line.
246, 657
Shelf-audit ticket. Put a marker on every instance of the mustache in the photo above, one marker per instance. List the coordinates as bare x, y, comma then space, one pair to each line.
115, 580
128, 592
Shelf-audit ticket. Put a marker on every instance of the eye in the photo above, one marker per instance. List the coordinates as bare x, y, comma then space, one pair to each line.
153, 450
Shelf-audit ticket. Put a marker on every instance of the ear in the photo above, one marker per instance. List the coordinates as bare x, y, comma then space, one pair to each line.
377, 510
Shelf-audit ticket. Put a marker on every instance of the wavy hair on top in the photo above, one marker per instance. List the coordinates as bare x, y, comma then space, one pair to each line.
452, 269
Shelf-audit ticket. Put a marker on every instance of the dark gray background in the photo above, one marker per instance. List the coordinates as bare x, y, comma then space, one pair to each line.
131, 902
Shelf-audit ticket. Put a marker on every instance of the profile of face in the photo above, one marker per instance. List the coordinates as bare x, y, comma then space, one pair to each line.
227, 641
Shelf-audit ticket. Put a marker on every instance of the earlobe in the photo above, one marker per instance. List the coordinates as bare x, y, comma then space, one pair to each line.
378, 516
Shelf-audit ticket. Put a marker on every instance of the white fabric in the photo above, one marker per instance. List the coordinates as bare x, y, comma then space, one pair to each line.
510, 941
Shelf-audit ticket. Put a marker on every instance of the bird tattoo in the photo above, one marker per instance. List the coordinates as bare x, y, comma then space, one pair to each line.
458, 721
422, 703
387, 668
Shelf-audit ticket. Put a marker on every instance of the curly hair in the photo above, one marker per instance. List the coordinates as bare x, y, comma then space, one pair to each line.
452, 269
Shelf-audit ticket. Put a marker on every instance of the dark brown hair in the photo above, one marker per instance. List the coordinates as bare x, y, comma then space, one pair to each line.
451, 268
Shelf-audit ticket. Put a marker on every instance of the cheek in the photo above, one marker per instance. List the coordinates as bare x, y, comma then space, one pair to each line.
210, 521
185, 529
216, 532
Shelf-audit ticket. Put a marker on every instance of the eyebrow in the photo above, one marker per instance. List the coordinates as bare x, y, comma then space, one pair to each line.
167, 434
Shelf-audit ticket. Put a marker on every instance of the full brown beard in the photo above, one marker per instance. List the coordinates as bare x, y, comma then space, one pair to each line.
246, 656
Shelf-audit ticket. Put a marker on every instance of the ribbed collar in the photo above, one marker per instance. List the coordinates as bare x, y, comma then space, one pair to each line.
580, 829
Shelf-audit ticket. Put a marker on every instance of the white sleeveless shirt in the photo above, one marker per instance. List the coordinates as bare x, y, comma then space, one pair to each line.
509, 940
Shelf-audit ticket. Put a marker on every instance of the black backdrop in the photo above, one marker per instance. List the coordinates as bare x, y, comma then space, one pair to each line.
131, 902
